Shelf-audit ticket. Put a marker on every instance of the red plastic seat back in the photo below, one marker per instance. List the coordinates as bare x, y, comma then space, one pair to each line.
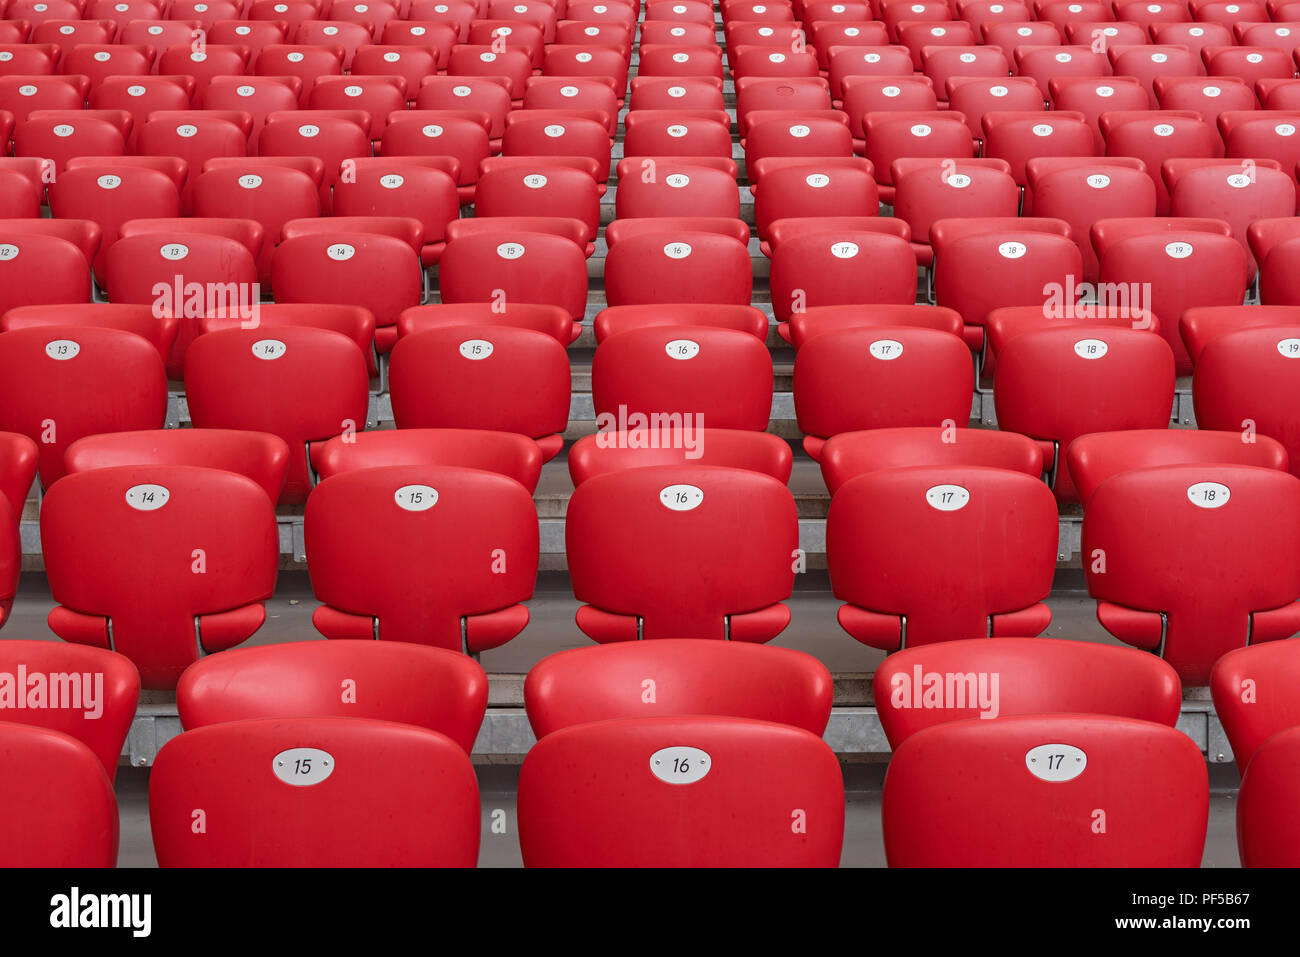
682, 552
1255, 696
715, 377
678, 677
140, 560
1094, 458
678, 265
758, 795
1267, 832
478, 539
57, 808
1182, 270
886, 377
613, 449
975, 274
922, 554
1245, 383
59, 383
37, 269
850, 454
388, 681
515, 266
841, 266
1168, 533
178, 260
482, 377
315, 792
260, 456
377, 272
300, 383
87, 693
506, 453
956, 680
1048, 791
1057, 384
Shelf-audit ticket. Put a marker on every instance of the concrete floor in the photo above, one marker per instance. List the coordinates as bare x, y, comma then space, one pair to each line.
814, 630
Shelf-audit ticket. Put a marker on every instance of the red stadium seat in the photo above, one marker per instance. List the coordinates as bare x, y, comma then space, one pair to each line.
1181, 270
482, 377
811, 189
552, 320
729, 819
840, 266
1244, 384
59, 809
1142, 802
662, 552
1017, 262
260, 456
676, 264
898, 539
901, 135
717, 377
37, 268
683, 677
558, 133
377, 272
18, 458
880, 377
1266, 831
1094, 458
1263, 135
796, 133
1092, 96
464, 514
390, 681
1019, 137
929, 189
1254, 695
669, 92
204, 66
1083, 191
158, 611
548, 190
973, 96
650, 187
459, 134
678, 133
822, 319
161, 267
1057, 384
1163, 533
514, 265
257, 96
334, 797
270, 196
300, 383
506, 453
613, 449
850, 454
615, 319
63, 382
1001, 677
59, 135
303, 61
1155, 135
92, 694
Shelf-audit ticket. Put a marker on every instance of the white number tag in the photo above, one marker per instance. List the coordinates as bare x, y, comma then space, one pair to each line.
476, 349
681, 498
147, 498
1055, 763
947, 498
303, 767
680, 765
416, 498
269, 349
1208, 494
